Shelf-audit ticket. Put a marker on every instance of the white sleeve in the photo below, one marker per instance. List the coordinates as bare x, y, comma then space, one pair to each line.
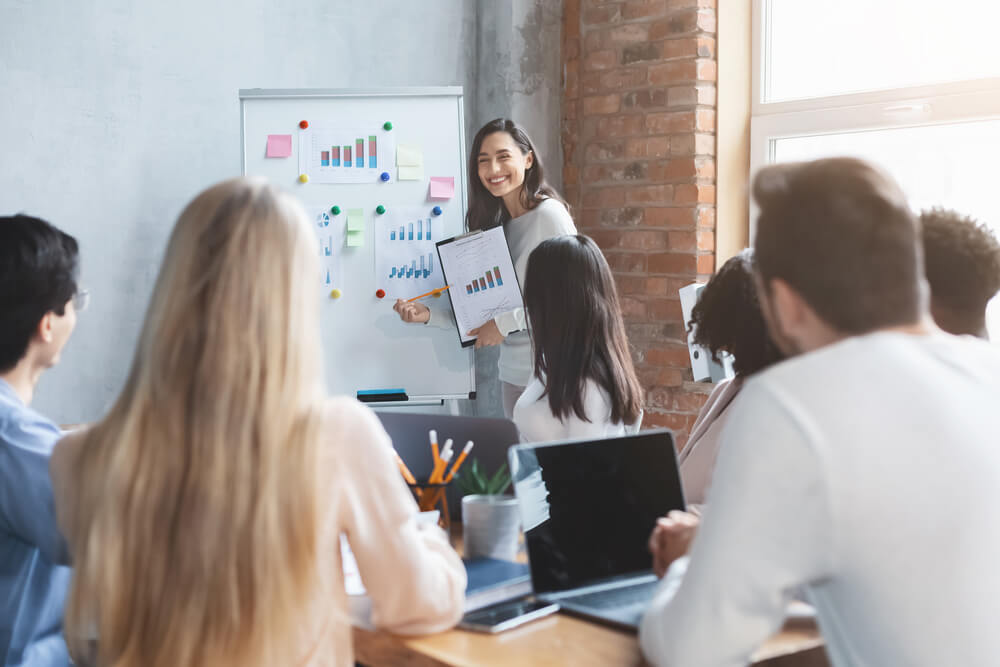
765, 532
555, 221
441, 315
415, 579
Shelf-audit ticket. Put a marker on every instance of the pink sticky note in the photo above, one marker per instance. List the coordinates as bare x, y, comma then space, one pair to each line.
442, 187
279, 145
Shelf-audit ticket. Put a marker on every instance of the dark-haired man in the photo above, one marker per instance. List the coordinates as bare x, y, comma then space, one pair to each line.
38, 303
865, 470
962, 259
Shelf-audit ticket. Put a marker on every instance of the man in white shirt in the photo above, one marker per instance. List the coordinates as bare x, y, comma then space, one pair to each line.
865, 471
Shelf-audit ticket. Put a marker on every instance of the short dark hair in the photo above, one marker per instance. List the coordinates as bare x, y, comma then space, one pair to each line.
38, 269
728, 318
962, 258
486, 211
577, 329
840, 233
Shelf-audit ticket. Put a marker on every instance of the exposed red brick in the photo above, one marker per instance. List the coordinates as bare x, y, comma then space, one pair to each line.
682, 241
600, 60
670, 122
637, 9
630, 33
644, 194
647, 147
638, 139
670, 217
598, 15
644, 240
694, 194
604, 197
672, 262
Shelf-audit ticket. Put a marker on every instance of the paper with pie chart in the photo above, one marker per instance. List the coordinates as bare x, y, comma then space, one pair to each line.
481, 274
330, 233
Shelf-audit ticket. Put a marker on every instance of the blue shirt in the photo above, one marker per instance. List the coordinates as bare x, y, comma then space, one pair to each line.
32, 587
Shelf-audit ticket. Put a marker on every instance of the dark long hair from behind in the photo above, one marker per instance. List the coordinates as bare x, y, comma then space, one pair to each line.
485, 210
728, 318
577, 330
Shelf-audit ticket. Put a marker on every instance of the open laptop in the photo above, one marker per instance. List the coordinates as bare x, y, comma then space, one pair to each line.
588, 508
408, 431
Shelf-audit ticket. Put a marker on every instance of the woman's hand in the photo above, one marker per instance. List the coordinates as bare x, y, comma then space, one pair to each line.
671, 539
413, 312
488, 334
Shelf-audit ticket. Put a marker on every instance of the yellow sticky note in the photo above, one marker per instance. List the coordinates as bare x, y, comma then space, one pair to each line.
355, 239
355, 220
410, 173
408, 155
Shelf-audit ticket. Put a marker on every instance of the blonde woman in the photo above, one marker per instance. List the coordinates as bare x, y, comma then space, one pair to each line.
204, 511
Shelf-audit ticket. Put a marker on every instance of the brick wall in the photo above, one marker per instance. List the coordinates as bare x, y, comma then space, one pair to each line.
638, 136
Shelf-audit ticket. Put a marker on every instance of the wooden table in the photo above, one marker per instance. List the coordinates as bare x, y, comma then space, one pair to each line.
559, 639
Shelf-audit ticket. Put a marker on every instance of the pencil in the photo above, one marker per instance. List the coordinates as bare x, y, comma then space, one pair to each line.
428, 503
434, 446
431, 293
407, 475
459, 462
451, 475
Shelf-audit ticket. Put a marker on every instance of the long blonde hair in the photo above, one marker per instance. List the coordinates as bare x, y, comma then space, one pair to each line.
197, 515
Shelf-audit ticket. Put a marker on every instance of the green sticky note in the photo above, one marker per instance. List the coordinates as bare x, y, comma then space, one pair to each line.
355, 220
355, 239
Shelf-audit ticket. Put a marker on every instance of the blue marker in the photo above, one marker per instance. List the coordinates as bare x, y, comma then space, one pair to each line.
437, 210
385, 177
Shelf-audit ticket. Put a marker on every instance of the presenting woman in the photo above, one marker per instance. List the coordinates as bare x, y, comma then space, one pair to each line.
507, 187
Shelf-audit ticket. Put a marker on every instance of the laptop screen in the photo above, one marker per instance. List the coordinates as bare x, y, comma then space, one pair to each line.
588, 507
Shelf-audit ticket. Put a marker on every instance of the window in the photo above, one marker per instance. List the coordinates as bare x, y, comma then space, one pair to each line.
913, 85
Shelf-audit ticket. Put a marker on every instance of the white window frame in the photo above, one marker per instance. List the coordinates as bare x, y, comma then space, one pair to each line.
914, 106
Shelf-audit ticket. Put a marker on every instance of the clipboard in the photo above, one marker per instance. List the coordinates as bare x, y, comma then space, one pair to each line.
479, 267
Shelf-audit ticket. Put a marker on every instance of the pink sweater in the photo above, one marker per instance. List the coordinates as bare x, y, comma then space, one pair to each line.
697, 460
414, 578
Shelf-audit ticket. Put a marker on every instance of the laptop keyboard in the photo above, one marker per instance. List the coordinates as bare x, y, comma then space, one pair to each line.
617, 598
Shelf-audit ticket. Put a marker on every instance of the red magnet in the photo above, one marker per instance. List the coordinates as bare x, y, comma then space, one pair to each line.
303, 124
380, 293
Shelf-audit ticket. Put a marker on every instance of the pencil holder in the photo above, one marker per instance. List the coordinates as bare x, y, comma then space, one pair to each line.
433, 497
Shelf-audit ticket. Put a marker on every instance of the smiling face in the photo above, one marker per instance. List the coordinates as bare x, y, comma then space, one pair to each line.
502, 165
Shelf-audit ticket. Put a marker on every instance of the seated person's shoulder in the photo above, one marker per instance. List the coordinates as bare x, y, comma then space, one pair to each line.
64, 457
348, 423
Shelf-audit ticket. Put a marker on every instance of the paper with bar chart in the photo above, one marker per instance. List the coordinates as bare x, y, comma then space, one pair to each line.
330, 232
405, 256
481, 274
330, 153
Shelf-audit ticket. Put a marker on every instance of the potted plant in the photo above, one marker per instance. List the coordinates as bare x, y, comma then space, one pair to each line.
490, 519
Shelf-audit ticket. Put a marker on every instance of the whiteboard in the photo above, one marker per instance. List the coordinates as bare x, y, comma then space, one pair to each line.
366, 346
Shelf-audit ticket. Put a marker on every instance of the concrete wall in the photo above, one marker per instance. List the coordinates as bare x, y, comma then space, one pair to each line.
519, 77
114, 114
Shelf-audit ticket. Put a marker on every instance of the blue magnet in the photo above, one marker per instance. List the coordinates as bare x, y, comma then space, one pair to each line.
385, 177
437, 210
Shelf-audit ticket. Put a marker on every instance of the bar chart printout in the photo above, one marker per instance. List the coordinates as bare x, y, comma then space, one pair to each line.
475, 264
487, 281
406, 263
329, 153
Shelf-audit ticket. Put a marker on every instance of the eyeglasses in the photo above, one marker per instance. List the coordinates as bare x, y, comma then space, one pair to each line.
81, 300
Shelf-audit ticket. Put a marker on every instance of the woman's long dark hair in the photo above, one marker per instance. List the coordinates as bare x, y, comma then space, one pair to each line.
727, 318
577, 330
485, 210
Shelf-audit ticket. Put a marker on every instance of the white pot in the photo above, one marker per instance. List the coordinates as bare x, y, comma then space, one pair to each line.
491, 525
